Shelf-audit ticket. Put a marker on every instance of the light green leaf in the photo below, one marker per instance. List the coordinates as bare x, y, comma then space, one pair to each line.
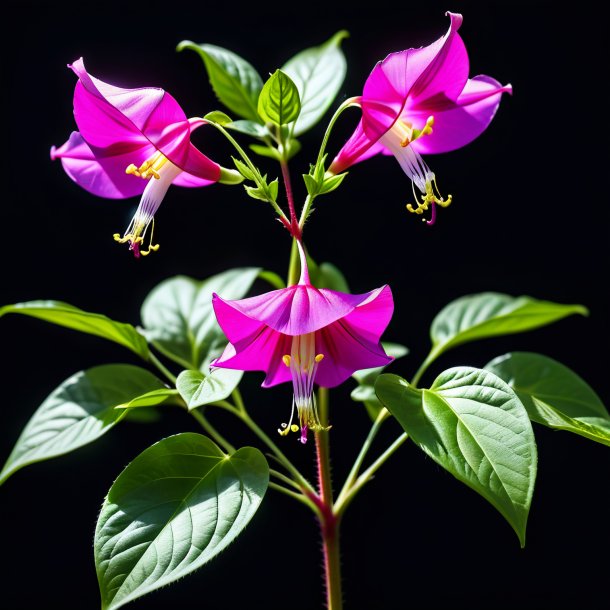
153, 398
326, 275
174, 508
96, 324
473, 425
331, 183
278, 102
198, 389
365, 390
179, 319
554, 395
250, 128
491, 314
78, 412
216, 116
235, 82
318, 73
244, 170
273, 278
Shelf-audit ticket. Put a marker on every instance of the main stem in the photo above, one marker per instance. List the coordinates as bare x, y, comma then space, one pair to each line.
329, 522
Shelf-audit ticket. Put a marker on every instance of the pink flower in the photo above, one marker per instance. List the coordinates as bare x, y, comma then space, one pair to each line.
132, 142
417, 93
306, 335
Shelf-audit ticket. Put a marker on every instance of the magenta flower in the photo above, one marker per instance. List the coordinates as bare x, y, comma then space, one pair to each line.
306, 335
133, 142
417, 93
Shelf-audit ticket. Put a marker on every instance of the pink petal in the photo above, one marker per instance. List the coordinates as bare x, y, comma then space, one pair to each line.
358, 148
345, 351
458, 123
296, 310
263, 353
441, 68
116, 121
101, 175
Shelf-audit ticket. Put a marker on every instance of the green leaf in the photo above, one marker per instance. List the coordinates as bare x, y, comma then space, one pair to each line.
331, 277
153, 398
235, 82
179, 319
318, 73
331, 183
216, 116
250, 128
473, 425
365, 391
278, 102
266, 151
491, 314
174, 508
244, 170
554, 395
96, 324
273, 278
198, 389
78, 412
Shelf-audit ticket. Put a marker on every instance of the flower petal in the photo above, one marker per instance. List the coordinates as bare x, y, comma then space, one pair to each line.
101, 175
458, 123
358, 148
115, 121
345, 350
296, 310
440, 68
263, 352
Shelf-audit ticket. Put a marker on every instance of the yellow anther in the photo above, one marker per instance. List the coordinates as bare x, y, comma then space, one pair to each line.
150, 168
319, 358
132, 169
286, 359
294, 428
284, 429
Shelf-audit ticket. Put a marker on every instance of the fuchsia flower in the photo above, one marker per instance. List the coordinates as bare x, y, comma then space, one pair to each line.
132, 142
305, 334
417, 93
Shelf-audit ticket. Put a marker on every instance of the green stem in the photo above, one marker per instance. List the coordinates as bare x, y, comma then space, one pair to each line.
239, 401
282, 477
162, 368
352, 101
366, 476
351, 477
430, 358
292, 494
250, 165
207, 426
329, 522
294, 266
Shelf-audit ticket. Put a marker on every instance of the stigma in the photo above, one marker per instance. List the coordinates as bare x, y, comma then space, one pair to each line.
397, 140
160, 173
303, 363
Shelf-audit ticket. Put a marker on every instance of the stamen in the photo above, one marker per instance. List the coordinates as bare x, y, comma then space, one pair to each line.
286, 360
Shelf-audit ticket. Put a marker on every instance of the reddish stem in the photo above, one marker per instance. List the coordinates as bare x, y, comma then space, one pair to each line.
294, 228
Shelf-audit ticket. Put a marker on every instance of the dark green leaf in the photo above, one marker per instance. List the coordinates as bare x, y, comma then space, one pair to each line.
473, 425
318, 73
235, 82
174, 508
179, 318
554, 395
198, 389
278, 102
78, 412
491, 314
96, 324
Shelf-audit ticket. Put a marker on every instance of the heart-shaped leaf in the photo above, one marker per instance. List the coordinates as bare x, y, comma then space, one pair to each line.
179, 318
554, 395
198, 389
78, 412
176, 506
473, 425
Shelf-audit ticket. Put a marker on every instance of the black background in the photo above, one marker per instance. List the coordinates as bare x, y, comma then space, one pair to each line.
529, 217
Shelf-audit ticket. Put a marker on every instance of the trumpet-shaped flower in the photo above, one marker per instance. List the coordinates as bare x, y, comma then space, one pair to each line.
421, 101
133, 142
307, 335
